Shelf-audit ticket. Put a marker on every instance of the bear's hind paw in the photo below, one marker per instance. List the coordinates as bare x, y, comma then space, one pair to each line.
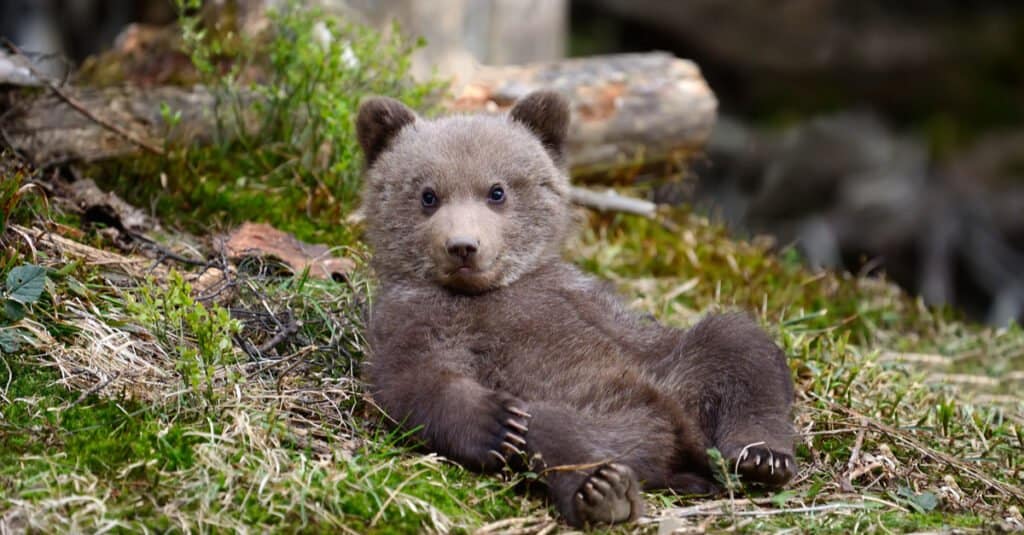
609, 496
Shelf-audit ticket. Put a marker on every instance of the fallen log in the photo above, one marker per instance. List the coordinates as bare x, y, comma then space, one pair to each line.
629, 111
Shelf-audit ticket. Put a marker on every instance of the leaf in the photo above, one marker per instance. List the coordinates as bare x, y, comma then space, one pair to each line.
25, 283
924, 502
13, 310
780, 499
9, 342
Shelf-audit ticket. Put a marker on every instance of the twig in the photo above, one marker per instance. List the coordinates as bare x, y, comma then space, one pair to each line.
78, 106
694, 511
7, 387
96, 388
289, 329
162, 252
528, 524
846, 482
610, 201
945, 458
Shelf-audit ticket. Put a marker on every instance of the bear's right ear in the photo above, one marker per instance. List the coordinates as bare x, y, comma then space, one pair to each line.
380, 118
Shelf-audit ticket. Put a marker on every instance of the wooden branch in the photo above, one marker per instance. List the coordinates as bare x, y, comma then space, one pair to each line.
610, 201
78, 106
629, 111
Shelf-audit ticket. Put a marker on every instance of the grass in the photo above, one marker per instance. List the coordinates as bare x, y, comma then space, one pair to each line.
893, 435
225, 396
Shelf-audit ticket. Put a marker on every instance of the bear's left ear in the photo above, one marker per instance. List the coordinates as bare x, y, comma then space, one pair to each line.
546, 114
380, 118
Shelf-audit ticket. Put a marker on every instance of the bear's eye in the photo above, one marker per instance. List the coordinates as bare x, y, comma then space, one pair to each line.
496, 195
428, 198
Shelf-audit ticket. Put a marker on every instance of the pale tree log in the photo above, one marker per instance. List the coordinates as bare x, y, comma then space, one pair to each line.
629, 111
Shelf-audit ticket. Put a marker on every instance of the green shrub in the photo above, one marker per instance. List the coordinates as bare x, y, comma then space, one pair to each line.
284, 148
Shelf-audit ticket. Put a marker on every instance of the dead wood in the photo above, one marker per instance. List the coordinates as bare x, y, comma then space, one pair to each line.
629, 111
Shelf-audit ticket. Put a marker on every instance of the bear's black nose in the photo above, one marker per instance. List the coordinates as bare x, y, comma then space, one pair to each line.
462, 247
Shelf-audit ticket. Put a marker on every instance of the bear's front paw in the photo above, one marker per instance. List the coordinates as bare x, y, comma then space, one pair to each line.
765, 466
504, 434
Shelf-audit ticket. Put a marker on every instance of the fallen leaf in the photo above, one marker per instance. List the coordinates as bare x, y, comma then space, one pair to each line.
260, 239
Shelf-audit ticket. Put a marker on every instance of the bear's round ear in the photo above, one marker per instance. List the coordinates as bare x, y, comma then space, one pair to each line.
546, 114
380, 118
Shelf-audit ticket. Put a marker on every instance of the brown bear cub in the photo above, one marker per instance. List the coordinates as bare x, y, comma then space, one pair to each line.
499, 352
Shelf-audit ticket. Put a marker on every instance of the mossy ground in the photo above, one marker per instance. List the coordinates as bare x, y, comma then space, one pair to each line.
136, 401
909, 419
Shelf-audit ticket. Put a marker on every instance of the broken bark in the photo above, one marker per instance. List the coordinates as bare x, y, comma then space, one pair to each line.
629, 111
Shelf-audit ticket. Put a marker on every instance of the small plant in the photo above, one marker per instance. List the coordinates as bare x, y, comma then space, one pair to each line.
284, 149
200, 336
23, 287
17, 200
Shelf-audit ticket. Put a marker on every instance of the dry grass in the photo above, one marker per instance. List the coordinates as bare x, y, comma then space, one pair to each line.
912, 429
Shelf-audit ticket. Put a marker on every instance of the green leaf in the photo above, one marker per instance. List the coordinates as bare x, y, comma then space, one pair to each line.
25, 283
924, 502
9, 341
13, 310
780, 499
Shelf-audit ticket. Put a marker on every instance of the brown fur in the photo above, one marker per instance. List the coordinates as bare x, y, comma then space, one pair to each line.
520, 351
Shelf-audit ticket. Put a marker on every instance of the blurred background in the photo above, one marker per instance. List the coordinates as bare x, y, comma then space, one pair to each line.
875, 137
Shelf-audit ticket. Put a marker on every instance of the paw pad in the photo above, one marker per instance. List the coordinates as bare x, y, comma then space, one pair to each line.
610, 495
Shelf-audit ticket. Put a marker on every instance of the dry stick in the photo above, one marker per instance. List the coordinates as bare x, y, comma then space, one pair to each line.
78, 106
7, 387
611, 201
771, 512
99, 386
504, 526
289, 329
953, 462
851, 473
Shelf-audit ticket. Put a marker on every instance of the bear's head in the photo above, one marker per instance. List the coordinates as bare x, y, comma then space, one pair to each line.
468, 202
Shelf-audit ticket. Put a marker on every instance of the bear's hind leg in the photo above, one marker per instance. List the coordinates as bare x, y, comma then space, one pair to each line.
735, 378
595, 463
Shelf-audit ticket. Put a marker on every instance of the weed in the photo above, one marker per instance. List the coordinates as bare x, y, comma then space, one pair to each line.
20, 201
285, 150
200, 335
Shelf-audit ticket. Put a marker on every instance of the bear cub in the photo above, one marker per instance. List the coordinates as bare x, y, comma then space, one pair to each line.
498, 352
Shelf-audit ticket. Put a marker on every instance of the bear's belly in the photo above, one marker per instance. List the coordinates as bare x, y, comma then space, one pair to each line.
567, 361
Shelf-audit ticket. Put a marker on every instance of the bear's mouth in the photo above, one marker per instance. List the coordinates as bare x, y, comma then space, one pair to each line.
467, 277
464, 271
